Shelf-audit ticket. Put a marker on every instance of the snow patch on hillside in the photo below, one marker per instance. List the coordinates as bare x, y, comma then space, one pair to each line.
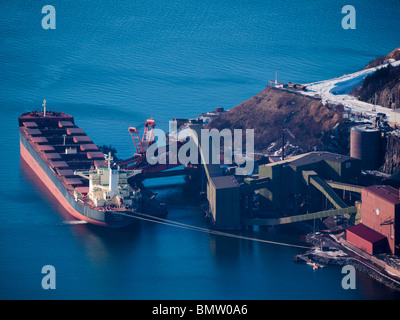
336, 91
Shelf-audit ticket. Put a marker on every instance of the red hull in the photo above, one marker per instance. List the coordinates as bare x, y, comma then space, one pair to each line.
53, 189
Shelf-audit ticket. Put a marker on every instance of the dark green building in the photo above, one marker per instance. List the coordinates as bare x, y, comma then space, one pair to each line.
297, 185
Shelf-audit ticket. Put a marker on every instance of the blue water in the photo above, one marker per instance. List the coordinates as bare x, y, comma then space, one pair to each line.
113, 65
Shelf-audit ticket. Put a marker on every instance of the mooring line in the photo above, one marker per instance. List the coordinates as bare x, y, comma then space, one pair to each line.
145, 217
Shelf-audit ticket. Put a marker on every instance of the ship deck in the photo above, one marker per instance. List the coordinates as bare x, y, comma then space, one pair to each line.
64, 147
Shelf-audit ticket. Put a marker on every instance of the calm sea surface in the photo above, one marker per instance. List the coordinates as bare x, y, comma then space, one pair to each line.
115, 64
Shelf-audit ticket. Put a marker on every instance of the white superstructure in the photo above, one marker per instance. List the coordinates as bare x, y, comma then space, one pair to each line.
109, 186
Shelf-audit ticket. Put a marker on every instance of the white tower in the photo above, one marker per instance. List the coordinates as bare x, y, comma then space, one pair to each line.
113, 177
44, 107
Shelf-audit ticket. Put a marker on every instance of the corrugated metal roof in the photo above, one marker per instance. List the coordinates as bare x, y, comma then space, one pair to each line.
95, 155
62, 124
32, 132
72, 131
100, 163
366, 233
65, 172
59, 164
224, 182
30, 124
78, 139
52, 155
39, 139
73, 181
314, 157
45, 147
387, 193
90, 146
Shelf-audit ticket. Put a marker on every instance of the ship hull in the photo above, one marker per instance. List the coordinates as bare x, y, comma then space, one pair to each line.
113, 219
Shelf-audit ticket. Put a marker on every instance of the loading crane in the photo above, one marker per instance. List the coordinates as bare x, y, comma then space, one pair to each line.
142, 145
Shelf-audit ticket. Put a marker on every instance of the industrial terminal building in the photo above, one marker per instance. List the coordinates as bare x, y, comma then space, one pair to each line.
300, 184
312, 186
304, 187
379, 228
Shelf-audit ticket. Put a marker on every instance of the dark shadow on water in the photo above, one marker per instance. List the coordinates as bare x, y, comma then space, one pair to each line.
100, 241
224, 249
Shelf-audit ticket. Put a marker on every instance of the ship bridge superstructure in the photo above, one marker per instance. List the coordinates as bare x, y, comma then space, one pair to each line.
109, 185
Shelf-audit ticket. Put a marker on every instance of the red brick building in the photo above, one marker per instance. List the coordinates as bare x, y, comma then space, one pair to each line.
380, 214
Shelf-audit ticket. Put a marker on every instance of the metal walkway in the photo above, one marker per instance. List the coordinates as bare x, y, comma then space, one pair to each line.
311, 177
303, 217
212, 170
344, 186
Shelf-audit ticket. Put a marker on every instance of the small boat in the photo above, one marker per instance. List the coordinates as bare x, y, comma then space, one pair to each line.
315, 265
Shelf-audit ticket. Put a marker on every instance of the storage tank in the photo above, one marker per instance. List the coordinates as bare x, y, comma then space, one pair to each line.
365, 144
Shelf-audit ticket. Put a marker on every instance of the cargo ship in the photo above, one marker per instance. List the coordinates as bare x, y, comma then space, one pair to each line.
84, 180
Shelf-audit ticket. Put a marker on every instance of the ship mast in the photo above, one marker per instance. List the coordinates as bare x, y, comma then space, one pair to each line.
109, 158
113, 177
44, 107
